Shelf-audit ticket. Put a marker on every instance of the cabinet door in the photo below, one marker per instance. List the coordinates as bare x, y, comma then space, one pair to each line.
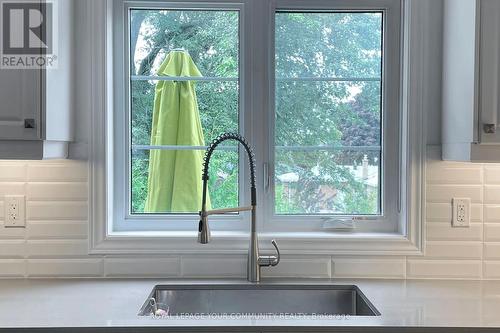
20, 92
489, 87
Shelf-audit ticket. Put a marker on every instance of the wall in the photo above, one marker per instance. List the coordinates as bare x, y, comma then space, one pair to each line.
54, 243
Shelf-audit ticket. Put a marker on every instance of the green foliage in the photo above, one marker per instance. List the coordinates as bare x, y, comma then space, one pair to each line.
140, 162
223, 183
308, 113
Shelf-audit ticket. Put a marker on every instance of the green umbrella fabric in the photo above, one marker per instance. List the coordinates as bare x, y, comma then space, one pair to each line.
174, 180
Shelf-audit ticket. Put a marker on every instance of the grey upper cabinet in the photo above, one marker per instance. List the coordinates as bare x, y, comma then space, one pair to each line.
20, 99
36, 118
489, 60
471, 74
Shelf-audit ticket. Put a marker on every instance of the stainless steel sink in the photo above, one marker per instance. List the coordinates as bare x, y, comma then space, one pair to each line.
304, 300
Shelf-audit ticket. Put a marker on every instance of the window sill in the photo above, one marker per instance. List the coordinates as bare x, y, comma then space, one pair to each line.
313, 243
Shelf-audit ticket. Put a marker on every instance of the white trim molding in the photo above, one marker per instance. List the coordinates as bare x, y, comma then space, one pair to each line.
407, 240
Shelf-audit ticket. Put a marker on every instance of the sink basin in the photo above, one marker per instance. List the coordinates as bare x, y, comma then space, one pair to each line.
247, 299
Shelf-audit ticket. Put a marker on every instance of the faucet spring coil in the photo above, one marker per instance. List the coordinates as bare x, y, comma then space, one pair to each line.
230, 136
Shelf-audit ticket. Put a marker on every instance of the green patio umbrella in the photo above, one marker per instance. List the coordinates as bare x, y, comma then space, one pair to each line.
174, 180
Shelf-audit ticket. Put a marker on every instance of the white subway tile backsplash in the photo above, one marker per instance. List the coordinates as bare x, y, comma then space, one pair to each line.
491, 213
11, 233
54, 242
444, 269
476, 213
57, 248
491, 269
442, 212
454, 175
387, 268
11, 189
40, 210
65, 267
56, 229
12, 249
444, 193
314, 267
10, 268
492, 232
492, 251
57, 192
438, 212
491, 175
444, 231
213, 266
454, 250
492, 194
142, 267
67, 171
12, 172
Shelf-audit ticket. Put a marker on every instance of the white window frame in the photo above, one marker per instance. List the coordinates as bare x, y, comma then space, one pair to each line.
388, 219
123, 220
406, 238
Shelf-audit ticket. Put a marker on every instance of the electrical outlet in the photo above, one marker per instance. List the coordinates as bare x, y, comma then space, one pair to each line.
14, 211
461, 212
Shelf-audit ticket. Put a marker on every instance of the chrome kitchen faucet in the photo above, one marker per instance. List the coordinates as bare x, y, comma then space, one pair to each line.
255, 261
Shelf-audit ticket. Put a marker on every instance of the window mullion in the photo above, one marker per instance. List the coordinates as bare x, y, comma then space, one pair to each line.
181, 78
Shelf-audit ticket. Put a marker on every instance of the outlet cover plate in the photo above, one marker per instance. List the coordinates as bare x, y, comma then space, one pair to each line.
461, 212
14, 211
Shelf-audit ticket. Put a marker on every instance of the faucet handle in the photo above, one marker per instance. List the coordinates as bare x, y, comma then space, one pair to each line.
271, 260
278, 255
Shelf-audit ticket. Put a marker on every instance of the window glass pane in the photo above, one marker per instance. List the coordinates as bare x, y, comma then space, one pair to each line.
328, 44
320, 113
184, 91
327, 182
139, 184
223, 183
328, 94
210, 37
217, 105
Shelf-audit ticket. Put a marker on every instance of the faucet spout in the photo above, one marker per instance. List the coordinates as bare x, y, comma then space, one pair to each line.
255, 261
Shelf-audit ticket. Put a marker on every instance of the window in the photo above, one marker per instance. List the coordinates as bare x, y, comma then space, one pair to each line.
195, 48
159, 147
329, 107
328, 95
319, 88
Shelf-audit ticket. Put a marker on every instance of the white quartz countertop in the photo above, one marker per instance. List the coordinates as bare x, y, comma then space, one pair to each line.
114, 304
